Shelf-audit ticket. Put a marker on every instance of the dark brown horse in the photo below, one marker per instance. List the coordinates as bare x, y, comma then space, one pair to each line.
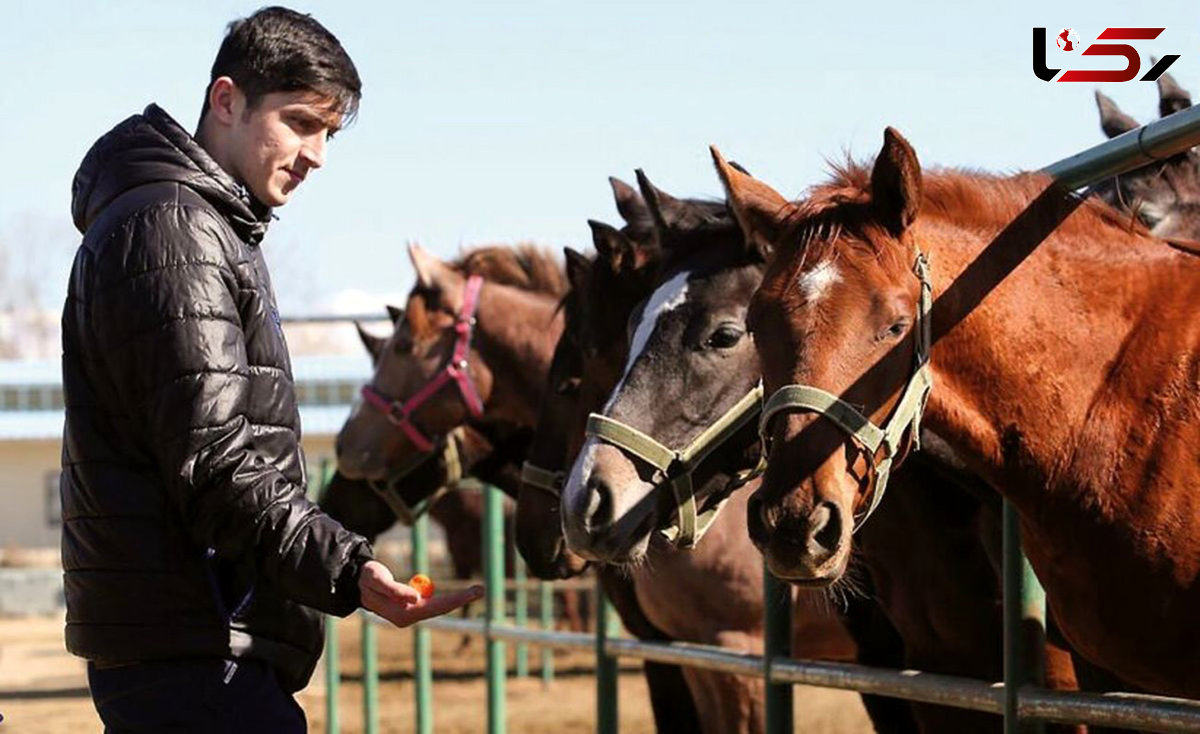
623, 257
1064, 362
1164, 195
712, 593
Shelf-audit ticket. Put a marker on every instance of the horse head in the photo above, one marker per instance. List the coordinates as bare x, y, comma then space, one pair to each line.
1164, 195
836, 324
684, 363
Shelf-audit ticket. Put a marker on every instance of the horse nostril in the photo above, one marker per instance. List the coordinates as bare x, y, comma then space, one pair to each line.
600, 502
825, 529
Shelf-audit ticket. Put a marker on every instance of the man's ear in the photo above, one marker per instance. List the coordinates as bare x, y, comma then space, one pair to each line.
226, 101
438, 277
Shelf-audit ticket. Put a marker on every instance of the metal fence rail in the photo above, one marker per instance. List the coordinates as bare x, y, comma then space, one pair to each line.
1148, 713
1018, 699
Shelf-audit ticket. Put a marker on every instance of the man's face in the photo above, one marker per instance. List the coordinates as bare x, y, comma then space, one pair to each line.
278, 142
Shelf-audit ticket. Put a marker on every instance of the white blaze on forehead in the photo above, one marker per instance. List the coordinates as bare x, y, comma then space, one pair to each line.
668, 297
815, 281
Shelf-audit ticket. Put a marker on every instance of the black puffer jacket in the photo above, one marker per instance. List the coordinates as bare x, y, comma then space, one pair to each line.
186, 531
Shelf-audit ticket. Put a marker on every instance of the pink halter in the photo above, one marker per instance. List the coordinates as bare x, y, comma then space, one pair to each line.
399, 412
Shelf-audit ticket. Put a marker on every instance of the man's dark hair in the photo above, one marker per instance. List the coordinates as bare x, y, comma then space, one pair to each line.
280, 50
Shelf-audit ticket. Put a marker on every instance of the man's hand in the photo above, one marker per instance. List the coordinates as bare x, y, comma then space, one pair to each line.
401, 604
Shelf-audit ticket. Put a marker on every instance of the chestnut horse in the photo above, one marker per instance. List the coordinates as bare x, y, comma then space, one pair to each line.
1063, 359
370, 507
512, 333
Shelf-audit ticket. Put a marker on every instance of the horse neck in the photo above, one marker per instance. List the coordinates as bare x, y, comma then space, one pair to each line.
516, 334
1025, 340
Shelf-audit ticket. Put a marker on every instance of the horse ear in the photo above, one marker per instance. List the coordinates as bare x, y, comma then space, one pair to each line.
630, 203
1112, 120
612, 246
758, 208
395, 313
896, 182
374, 344
1171, 97
578, 266
437, 276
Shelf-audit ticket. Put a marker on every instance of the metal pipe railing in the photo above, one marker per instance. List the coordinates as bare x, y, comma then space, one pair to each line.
1153, 142
1148, 713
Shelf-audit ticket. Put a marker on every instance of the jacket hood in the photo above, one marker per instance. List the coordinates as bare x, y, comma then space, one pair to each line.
153, 148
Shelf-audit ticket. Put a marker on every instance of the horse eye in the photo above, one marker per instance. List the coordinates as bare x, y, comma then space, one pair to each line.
724, 337
895, 330
569, 386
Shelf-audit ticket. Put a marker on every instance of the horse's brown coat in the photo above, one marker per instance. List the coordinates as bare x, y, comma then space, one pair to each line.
1065, 362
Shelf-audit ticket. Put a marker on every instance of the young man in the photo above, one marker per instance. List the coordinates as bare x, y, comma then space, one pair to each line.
196, 571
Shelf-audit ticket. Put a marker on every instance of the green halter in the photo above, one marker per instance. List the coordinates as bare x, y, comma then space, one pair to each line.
905, 418
675, 467
451, 465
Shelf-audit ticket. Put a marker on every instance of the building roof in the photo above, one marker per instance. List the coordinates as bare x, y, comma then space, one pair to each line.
40, 373
47, 425
315, 420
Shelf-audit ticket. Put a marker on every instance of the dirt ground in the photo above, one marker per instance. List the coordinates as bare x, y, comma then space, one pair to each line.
44, 690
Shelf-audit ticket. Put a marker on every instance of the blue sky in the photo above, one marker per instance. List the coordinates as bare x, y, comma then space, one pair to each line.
497, 122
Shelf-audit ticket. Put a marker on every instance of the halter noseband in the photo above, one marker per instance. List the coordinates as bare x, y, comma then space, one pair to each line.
675, 467
399, 413
452, 473
550, 482
906, 417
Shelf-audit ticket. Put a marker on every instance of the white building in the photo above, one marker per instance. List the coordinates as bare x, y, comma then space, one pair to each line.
31, 422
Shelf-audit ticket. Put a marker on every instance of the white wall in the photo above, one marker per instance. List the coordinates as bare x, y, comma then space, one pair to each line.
24, 470
28, 467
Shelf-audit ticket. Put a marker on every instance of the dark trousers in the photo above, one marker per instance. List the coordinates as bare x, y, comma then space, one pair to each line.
207, 695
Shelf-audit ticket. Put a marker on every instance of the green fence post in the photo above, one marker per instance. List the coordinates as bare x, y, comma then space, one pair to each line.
546, 612
493, 544
333, 671
606, 666
777, 604
522, 615
1024, 624
422, 644
370, 677
333, 676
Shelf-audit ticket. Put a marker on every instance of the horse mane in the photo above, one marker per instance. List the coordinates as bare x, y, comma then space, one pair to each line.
523, 266
972, 199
